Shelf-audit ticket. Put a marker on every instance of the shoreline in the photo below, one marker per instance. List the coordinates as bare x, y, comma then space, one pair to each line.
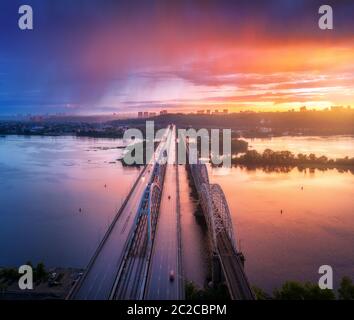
118, 136
301, 167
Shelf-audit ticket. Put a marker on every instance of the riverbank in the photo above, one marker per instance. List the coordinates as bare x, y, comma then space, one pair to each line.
286, 160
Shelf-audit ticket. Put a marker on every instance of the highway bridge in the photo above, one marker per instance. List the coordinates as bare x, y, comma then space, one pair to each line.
152, 250
140, 255
166, 254
109, 263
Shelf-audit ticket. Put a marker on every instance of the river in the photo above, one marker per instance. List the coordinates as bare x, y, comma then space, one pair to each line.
287, 224
45, 181
58, 196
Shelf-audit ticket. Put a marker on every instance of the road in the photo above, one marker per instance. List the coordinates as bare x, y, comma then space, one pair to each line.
131, 279
98, 280
165, 254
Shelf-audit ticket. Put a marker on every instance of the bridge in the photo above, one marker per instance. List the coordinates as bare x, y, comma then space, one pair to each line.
153, 249
166, 255
117, 250
140, 254
227, 261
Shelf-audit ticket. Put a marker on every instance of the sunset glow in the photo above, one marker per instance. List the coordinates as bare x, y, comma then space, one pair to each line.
178, 56
178, 155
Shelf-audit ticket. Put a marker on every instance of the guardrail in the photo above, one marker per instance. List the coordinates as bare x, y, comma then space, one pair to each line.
179, 232
74, 289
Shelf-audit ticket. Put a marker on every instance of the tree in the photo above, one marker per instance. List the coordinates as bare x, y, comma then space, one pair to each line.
302, 157
346, 290
268, 154
192, 292
40, 272
292, 290
260, 294
323, 159
220, 292
238, 146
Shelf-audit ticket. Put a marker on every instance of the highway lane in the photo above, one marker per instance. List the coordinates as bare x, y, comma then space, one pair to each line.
99, 278
165, 249
130, 281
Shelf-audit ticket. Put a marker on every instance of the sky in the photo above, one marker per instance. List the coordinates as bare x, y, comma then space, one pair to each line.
105, 56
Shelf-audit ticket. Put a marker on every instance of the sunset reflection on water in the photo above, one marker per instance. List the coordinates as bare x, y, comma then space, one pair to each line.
289, 224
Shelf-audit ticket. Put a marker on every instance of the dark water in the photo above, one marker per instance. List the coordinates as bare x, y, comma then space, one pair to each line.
44, 181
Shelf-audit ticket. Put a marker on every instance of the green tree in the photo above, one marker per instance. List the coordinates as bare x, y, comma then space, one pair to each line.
260, 294
40, 272
192, 292
292, 290
346, 290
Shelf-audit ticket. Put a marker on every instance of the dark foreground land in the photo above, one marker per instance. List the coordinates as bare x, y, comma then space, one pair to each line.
53, 283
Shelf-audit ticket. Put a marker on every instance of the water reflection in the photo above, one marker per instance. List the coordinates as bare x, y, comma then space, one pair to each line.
194, 234
333, 147
290, 223
45, 181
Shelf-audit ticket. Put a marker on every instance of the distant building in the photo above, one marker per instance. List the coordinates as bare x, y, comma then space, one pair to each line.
216, 111
225, 111
146, 114
200, 112
337, 108
265, 130
36, 118
140, 114
152, 114
207, 112
36, 128
162, 112
303, 109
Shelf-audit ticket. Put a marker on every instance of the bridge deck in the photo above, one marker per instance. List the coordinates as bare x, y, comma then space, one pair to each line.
98, 280
131, 280
165, 255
